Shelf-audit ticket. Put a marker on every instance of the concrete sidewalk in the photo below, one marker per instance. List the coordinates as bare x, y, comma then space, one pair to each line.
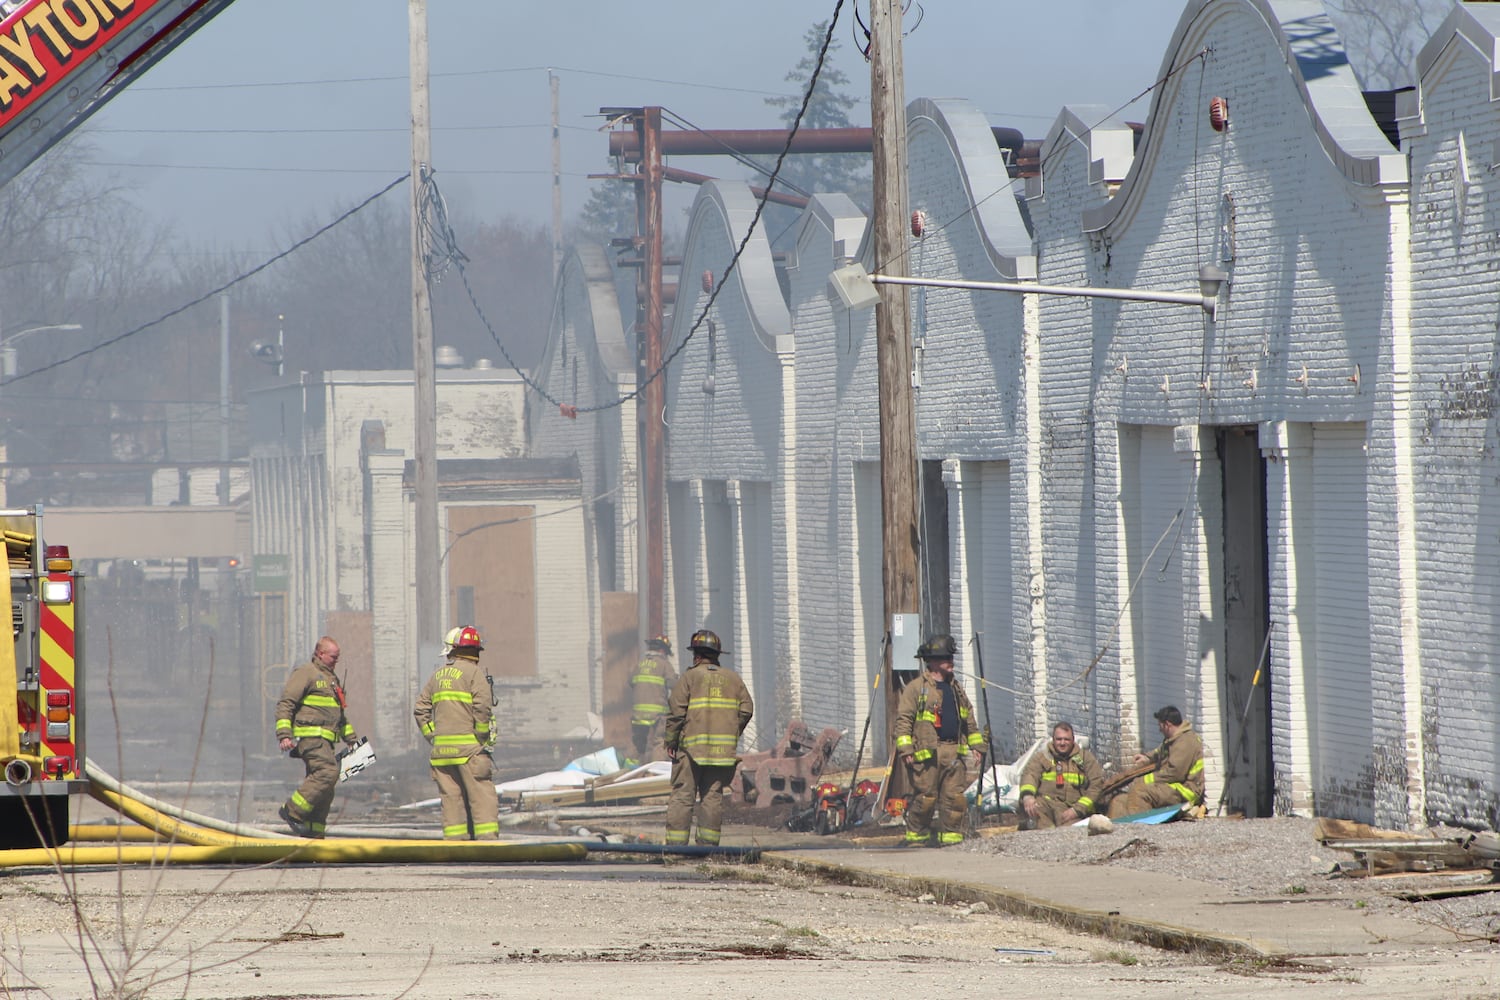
1177, 914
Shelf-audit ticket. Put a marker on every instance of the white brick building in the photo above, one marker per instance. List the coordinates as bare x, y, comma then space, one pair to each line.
1280, 517
331, 468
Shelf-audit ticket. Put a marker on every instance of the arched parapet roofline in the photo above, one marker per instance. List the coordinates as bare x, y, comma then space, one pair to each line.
730, 206
987, 181
587, 265
1108, 145
1319, 69
1474, 25
847, 225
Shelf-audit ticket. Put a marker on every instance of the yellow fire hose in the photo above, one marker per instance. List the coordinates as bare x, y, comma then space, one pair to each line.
326, 851
161, 840
87, 833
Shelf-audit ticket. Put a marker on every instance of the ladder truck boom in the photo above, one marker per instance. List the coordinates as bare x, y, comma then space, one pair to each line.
61, 60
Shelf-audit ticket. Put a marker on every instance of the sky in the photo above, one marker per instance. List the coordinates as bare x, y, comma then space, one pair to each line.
279, 114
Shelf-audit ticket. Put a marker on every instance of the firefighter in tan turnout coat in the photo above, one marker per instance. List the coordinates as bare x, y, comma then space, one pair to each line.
649, 686
1176, 777
309, 718
935, 732
709, 709
455, 713
1060, 781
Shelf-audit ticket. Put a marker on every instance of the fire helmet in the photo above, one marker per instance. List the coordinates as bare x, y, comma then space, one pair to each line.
465, 637
706, 643
937, 647
660, 642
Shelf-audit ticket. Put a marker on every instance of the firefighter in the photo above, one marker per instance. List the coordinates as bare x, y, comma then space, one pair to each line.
1176, 775
649, 686
935, 732
1060, 781
709, 709
309, 718
456, 713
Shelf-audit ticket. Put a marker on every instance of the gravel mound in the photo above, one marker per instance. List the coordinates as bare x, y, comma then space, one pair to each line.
1257, 858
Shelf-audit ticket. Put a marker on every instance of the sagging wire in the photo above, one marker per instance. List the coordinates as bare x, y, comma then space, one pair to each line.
858, 28
713, 296
245, 276
582, 504
438, 248
969, 210
1114, 629
742, 158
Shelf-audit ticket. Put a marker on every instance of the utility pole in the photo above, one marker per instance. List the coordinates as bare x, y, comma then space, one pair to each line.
224, 398
899, 528
653, 458
557, 251
424, 450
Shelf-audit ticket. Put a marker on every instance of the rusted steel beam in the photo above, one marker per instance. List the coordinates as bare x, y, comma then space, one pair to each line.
775, 197
715, 142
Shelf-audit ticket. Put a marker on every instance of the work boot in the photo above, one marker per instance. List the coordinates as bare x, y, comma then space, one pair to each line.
300, 828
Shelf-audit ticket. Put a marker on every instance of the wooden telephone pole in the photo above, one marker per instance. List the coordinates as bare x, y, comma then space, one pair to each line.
900, 528
427, 538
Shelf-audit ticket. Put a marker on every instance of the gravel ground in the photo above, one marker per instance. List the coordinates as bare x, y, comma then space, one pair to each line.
1259, 858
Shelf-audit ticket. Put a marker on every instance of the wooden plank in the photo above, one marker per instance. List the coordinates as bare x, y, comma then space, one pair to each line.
622, 651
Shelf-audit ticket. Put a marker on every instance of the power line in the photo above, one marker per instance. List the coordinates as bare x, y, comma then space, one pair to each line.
380, 130
245, 276
307, 170
760, 206
457, 74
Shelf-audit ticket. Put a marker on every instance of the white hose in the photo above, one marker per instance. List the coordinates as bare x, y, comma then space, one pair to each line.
105, 780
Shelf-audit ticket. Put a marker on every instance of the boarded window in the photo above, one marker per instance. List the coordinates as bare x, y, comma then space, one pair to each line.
492, 569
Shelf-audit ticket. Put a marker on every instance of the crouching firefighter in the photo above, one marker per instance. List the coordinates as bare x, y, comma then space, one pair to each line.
456, 713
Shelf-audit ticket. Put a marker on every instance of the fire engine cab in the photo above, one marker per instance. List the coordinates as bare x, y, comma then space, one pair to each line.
41, 737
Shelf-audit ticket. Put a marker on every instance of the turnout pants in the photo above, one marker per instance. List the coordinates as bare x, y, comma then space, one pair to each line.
471, 807
1140, 796
693, 782
647, 737
1049, 812
310, 802
938, 784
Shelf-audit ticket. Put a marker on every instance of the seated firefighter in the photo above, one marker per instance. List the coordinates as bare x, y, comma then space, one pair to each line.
1176, 770
1060, 781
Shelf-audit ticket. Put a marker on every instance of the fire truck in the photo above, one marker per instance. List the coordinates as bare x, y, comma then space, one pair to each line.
62, 60
41, 737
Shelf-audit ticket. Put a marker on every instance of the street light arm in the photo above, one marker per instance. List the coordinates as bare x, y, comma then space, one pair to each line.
1208, 303
37, 329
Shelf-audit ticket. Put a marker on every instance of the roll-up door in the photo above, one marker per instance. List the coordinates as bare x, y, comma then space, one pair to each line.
990, 575
1339, 674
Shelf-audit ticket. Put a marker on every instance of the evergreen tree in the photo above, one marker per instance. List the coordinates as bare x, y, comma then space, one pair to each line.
830, 107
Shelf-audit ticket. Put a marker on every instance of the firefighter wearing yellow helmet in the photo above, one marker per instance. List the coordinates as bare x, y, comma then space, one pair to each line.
649, 685
456, 714
709, 709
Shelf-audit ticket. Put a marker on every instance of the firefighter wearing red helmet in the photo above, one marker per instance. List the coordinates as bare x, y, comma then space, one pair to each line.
456, 714
707, 712
935, 733
649, 685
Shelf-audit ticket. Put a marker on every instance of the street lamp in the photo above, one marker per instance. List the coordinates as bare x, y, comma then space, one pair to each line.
8, 353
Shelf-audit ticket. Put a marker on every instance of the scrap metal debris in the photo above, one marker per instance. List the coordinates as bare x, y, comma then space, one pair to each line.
1390, 852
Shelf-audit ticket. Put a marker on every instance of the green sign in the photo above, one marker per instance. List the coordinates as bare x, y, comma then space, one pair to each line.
271, 574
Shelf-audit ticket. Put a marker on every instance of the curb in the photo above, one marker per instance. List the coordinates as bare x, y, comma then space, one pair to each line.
1169, 937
